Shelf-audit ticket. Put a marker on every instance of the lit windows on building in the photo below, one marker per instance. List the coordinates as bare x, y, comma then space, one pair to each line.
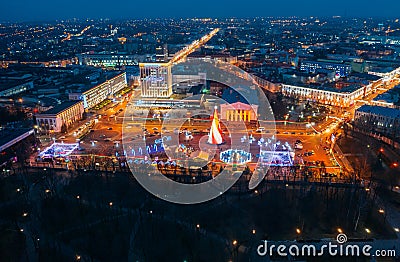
107, 60
377, 118
101, 92
328, 97
341, 70
156, 80
239, 112
65, 114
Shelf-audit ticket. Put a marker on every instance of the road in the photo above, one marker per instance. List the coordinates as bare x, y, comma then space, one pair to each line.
182, 54
106, 135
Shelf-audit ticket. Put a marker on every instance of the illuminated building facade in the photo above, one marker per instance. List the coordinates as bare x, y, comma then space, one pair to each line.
328, 97
156, 80
378, 118
239, 112
108, 60
101, 92
313, 66
53, 119
265, 84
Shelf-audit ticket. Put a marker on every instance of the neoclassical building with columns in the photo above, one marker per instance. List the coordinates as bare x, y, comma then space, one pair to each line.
66, 113
239, 112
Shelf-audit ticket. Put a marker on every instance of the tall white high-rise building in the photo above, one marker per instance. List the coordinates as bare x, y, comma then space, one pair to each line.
156, 80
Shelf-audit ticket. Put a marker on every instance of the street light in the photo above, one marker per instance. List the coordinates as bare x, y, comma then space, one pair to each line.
368, 231
298, 231
340, 230
234, 242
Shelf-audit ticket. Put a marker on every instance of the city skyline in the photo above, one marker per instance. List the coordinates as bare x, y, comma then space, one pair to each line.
27, 11
206, 138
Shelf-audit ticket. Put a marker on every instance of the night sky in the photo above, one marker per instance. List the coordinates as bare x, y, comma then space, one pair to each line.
43, 10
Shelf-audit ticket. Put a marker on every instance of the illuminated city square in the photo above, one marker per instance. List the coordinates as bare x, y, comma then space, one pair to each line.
199, 131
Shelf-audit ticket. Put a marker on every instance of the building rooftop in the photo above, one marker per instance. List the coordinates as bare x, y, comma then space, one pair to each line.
380, 110
239, 94
385, 97
108, 75
240, 106
325, 61
9, 137
12, 79
59, 108
365, 76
